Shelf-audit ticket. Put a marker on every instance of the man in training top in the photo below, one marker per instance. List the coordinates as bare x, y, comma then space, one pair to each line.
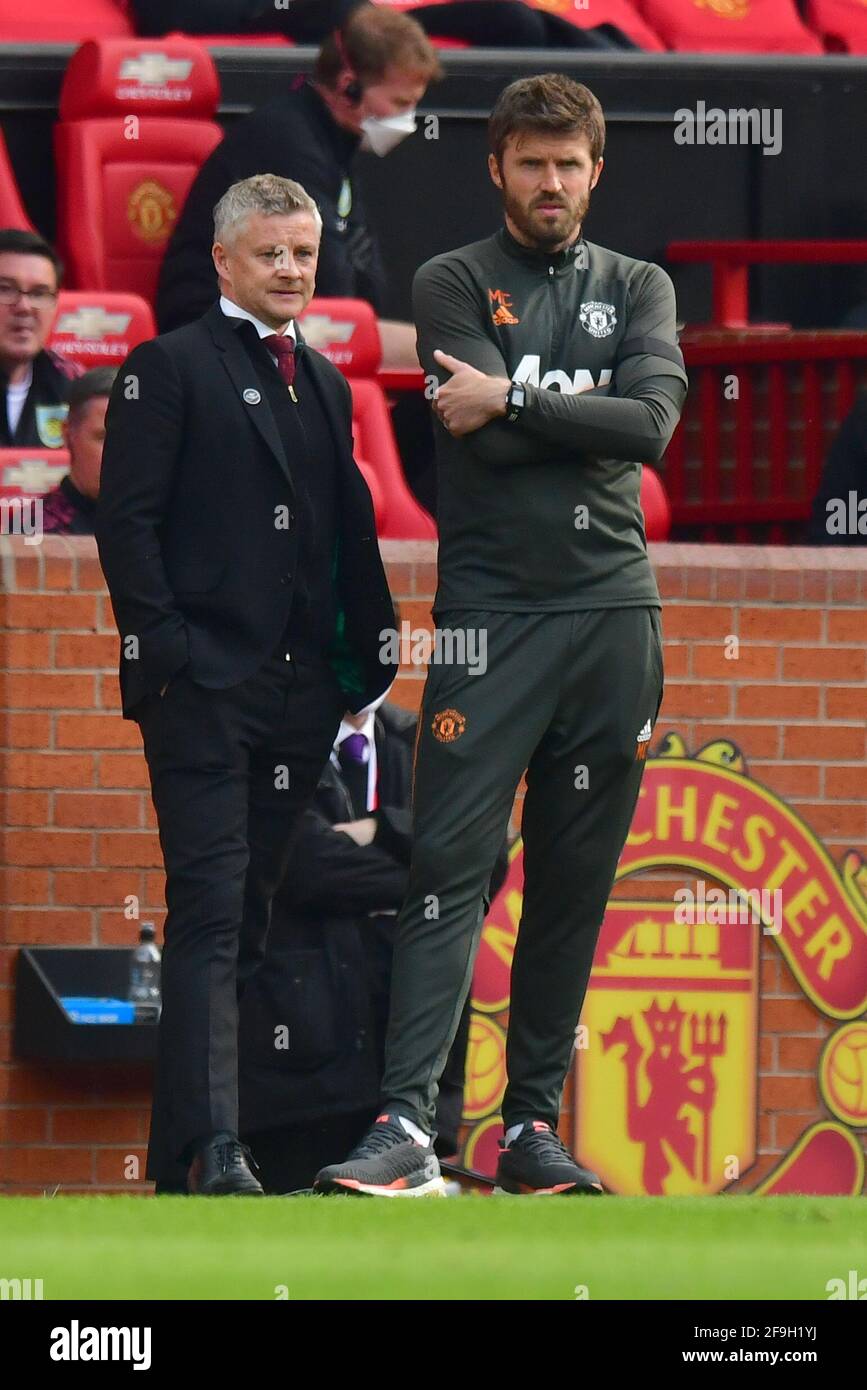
557, 374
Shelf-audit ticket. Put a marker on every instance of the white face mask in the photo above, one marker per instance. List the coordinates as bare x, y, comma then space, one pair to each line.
382, 133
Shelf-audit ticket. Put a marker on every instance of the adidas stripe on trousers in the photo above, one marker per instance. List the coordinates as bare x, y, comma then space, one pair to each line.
565, 697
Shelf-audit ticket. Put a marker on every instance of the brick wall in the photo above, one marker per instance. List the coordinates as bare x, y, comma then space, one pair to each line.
79, 830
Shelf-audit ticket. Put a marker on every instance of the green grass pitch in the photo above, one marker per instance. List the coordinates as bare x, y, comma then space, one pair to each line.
462, 1248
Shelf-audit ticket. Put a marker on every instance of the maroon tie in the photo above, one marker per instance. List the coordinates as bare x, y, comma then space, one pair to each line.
282, 346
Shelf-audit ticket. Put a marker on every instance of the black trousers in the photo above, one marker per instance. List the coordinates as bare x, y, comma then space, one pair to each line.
289, 1156
230, 771
571, 698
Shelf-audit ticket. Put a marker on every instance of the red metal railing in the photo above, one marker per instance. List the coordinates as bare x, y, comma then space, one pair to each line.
730, 262
760, 417
761, 414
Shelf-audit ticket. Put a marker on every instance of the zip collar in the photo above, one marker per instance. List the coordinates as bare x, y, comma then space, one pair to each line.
561, 261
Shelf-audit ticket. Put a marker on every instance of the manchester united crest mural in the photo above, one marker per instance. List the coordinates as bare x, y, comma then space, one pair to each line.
666, 1095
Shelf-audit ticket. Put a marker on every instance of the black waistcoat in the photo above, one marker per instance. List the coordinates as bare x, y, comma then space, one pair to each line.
309, 449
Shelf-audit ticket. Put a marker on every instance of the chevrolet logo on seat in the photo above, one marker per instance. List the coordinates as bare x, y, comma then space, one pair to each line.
155, 68
92, 321
320, 330
33, 474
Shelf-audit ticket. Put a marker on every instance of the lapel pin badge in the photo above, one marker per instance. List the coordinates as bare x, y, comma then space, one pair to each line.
252, 396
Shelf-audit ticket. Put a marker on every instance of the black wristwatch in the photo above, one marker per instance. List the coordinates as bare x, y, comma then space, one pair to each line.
515, 400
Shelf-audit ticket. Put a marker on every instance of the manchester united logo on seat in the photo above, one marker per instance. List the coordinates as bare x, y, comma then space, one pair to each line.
448, 725
725, 9
151, 211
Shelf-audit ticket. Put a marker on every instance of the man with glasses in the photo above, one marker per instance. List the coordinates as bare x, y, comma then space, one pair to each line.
34, 381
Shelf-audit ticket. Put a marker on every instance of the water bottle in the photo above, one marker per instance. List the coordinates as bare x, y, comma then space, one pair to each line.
144, 976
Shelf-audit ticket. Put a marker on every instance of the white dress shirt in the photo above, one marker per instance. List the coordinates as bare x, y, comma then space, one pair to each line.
234, 311
16, 395
367, 729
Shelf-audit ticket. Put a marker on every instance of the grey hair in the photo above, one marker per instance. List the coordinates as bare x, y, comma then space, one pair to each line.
266, 193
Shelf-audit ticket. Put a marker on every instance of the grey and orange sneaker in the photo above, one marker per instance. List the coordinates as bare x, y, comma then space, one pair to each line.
388, 1162
537, 1163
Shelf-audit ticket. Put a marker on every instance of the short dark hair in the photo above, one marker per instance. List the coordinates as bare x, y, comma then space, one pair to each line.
373, 40
97, 382
30, 244
551, 104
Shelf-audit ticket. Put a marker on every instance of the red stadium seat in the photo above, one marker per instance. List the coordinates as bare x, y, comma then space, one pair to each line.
31, 472
620, 13
841, 23
655, 505
12, 211
63, 21
345, 331
730, 26
99, 329
404, 519
135, 125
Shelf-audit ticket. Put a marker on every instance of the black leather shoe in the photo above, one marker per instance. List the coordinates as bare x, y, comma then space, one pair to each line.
221, 1168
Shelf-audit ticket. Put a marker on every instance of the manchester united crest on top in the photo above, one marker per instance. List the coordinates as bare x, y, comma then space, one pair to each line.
599, 319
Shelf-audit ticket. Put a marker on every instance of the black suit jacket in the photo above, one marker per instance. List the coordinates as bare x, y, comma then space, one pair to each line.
196, 524
320, 977
327, 971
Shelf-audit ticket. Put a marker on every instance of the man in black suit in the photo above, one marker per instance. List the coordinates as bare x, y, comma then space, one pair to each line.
238, 542
313, 1020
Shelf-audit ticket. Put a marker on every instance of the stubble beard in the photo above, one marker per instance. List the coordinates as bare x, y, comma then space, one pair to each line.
544, 239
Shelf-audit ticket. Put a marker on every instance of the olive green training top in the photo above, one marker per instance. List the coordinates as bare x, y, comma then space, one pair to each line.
543, 512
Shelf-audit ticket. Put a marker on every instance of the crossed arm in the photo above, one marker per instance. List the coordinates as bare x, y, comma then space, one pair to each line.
634, 423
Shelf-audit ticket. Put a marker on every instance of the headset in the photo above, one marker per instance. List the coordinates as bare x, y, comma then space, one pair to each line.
353, 91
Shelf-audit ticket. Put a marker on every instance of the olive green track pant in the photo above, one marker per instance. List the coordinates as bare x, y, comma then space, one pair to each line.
571, 698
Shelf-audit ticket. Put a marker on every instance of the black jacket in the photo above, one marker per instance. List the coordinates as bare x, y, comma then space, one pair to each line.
194, 480
295, 137
66, 511
45, 407
327, 973
306, 21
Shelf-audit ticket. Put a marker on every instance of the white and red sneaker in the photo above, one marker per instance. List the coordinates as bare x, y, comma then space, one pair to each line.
535, 1162
390, 1161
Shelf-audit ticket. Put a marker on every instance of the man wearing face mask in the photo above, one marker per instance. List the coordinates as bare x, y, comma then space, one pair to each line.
366, 84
